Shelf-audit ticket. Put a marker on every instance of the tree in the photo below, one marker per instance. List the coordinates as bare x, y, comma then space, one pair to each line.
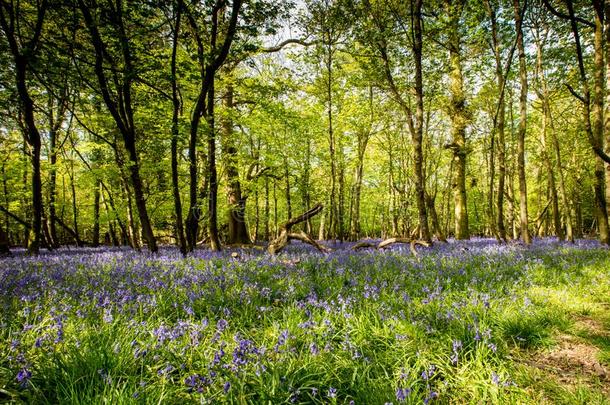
523, 218
459, 117
118, 100
24, 47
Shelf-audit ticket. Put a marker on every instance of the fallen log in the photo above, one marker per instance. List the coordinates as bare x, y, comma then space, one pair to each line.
388, 242
285, 234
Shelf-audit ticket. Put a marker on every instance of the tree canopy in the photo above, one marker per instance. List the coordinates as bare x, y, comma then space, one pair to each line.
216, 122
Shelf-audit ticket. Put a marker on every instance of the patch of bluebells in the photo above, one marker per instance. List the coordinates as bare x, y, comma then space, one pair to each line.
175, 310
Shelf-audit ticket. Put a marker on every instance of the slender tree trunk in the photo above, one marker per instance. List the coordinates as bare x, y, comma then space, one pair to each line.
7, 218
358, 178
436, 226
95, 240
500, 126
287, 190
491, 186
333, 211
132, 235
4, 243
180, 236
257, 221
306, 185
74, 204
266, 211
523, 212
548, 118
212, 176
52, 177
546, 128
275, 218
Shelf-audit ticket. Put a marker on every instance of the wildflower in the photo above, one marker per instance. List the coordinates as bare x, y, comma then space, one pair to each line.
313, 348
430, 397
108, 318
427, 374
332, 392
226, 387
221, 325
23, 377
38, 343
105, 376
402, 394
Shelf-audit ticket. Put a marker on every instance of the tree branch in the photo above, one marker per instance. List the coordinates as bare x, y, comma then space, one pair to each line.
283, 44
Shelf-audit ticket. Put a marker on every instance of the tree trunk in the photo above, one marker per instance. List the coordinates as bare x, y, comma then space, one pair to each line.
436, 226
132, 235
598, 130
121, 109
52, 176
417, 134
238, 229
287, 189
74, 204
212, 176
95, 239
594, 132
266, 211
180, 236
23, 52
305, 185
333, 211
459, 119
548, 118
607, 111
7, 222
523, 219
358, 177
4, 243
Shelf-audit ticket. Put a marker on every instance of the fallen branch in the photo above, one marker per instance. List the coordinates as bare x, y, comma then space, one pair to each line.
388, 242
285, 234
364, 245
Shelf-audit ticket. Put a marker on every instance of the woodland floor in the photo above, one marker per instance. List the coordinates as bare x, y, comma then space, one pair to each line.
463, 322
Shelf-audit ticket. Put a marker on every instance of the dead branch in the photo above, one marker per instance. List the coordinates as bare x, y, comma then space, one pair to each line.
285, 235
364, 245
303, 237
388, 242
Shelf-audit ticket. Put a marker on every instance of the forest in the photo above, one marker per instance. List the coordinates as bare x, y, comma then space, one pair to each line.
304, 201
211, 124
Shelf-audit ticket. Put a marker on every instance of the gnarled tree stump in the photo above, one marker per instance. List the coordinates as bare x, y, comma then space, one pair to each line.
286, 234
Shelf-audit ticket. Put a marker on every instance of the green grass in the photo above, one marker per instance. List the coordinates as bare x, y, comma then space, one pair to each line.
453, 328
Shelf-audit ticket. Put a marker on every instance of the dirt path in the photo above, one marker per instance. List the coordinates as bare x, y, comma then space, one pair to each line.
581, 355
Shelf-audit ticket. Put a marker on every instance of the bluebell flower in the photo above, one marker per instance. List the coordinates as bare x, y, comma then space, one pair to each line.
23, 377
402, 394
